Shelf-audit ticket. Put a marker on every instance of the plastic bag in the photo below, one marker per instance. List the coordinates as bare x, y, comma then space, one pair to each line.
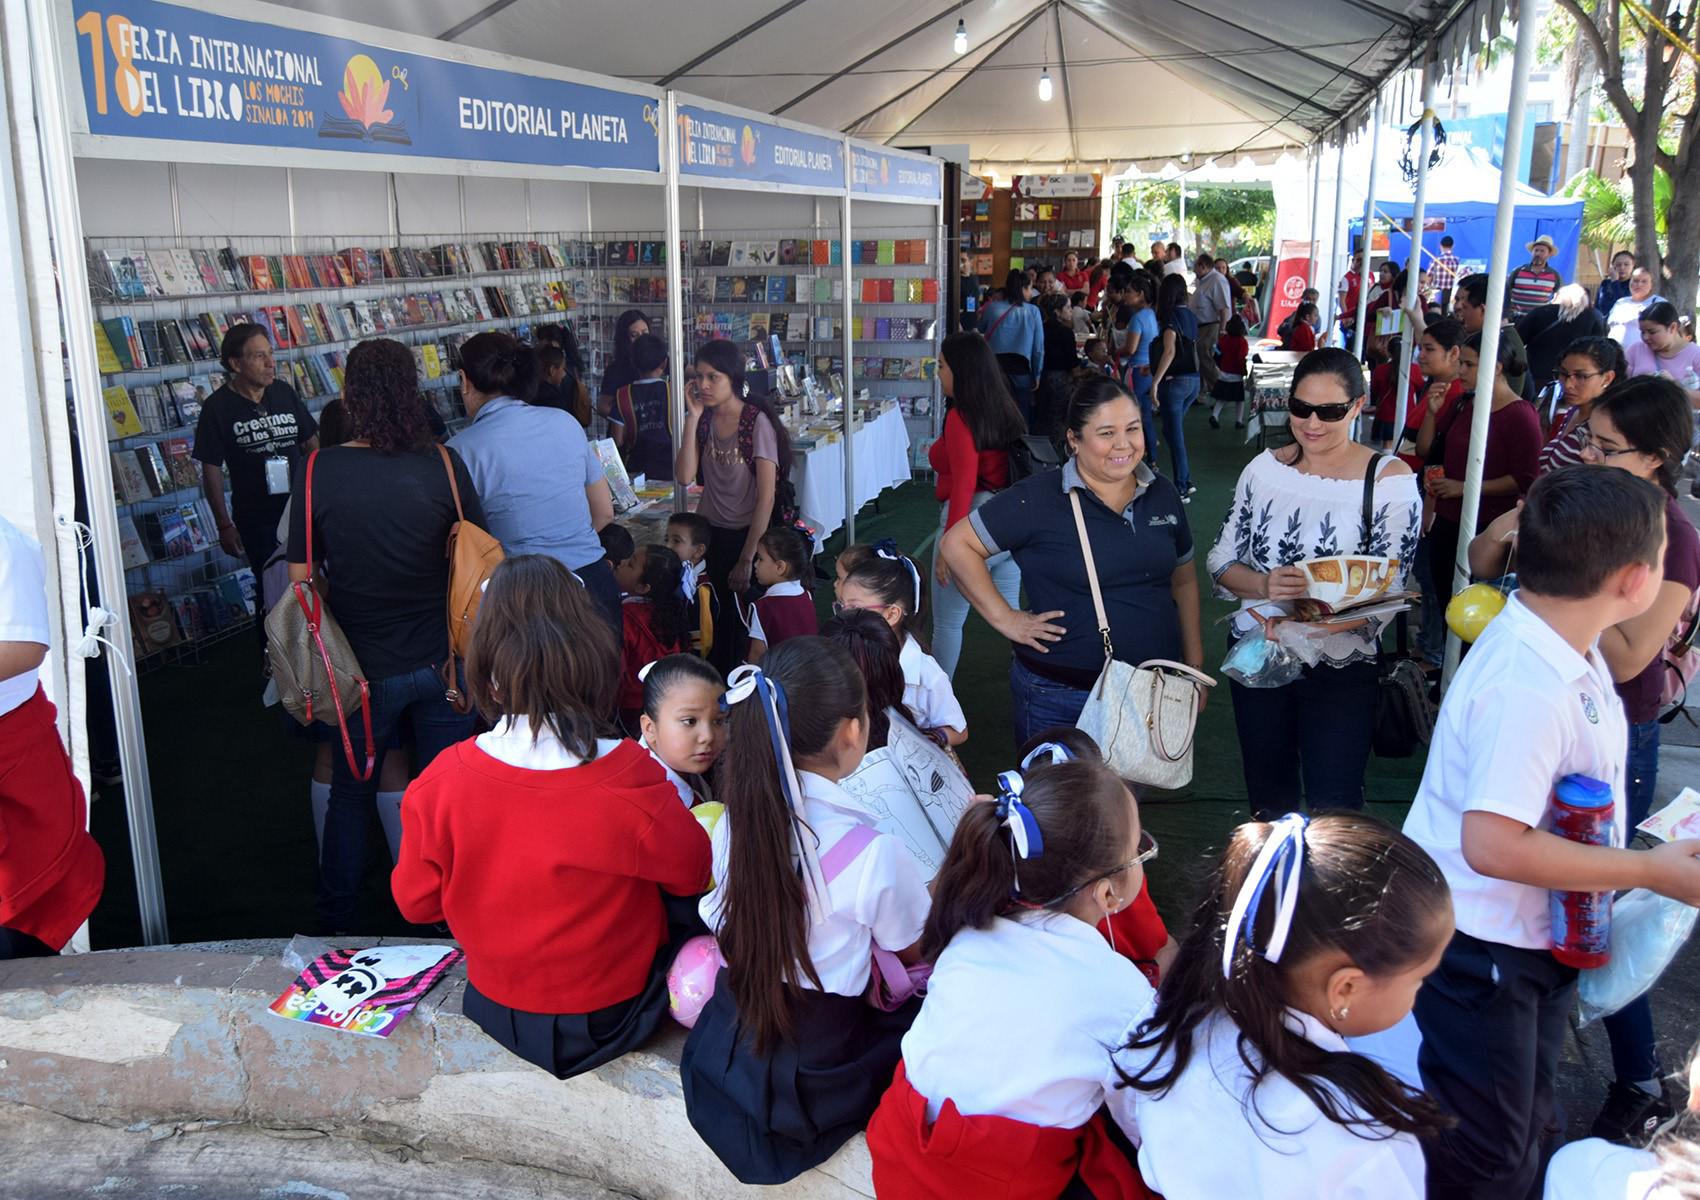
1647, 931
1257, 662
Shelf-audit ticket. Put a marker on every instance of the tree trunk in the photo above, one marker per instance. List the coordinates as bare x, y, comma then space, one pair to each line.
1683, 233
1581, 58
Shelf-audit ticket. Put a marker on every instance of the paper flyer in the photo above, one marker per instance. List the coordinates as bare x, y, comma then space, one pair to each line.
916, 791
368, 992
1678, 819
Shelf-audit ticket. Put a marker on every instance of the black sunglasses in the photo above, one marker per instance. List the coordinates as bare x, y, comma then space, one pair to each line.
1328, 412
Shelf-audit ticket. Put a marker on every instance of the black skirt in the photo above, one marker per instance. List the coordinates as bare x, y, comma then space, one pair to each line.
568, 1044
770, 1119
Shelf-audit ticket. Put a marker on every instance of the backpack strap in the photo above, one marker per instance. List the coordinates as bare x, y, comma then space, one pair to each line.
846, 850
454, 488
1369, 500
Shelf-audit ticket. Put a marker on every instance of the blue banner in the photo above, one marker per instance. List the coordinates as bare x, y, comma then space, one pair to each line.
154, 70
877, 173
726, 146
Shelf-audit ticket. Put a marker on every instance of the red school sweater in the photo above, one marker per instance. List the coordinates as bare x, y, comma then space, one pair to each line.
639, 646
550, 880
786, 617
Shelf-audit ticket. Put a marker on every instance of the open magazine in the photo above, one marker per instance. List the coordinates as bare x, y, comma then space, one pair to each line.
915, 790
1349, 587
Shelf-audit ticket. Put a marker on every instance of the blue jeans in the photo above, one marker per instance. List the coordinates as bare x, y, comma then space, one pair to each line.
416, 697
1431, 637
1177, 395
1038, 704
950, 606
1140, 385
1634, 1049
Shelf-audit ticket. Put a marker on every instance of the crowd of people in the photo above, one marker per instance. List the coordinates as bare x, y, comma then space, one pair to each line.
1022, 1023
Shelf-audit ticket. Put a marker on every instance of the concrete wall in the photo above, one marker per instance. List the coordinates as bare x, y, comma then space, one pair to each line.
179, 1043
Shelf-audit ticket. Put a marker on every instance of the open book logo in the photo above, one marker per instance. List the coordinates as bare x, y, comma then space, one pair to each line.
365, 99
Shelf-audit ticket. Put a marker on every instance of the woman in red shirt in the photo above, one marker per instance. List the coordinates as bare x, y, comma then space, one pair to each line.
971, 460
547, 849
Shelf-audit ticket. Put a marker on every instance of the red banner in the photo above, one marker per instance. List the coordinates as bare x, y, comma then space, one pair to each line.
1292, 271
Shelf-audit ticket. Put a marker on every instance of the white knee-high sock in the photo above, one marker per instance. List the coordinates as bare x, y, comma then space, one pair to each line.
389, 812
321, 800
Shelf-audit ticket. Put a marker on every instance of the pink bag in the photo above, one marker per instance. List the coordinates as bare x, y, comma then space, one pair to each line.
1680, 658
891, 984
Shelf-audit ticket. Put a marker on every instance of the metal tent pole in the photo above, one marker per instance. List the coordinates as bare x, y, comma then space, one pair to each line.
849, 353
1369, 228
65, 221
1315, 204
1328, 300
675, 284
1498, 266
1414, 267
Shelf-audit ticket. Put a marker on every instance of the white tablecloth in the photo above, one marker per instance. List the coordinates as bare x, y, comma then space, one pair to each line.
881, 461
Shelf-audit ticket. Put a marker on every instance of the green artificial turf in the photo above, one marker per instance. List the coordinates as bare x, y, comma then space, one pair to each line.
230, 781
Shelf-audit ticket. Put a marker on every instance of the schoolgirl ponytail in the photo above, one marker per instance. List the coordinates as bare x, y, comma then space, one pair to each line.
791, 706
1055, 829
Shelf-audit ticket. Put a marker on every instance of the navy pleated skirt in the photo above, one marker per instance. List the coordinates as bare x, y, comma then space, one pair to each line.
568, 1044
770, 1119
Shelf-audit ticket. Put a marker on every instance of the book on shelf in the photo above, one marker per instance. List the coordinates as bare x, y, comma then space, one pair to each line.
152, 622
105, 353
154, 470
130, 544
121, 417
128, 482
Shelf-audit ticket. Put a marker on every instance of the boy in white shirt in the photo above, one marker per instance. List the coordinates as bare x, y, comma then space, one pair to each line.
1532, 703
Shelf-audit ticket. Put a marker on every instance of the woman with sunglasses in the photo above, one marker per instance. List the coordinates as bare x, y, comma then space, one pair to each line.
1642, 426
1590, 365
1512, 461
1309, 741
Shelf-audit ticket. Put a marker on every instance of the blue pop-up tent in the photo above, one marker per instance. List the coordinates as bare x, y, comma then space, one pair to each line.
1461, 200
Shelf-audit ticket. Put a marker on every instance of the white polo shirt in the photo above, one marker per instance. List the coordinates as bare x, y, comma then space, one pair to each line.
1524, 710
880, 897
23, 607
1593, 1169
1020, 1020
1208, 1136
927, 690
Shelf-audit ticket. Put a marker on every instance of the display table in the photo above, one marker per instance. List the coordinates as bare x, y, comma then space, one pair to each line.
881, 461
817, 474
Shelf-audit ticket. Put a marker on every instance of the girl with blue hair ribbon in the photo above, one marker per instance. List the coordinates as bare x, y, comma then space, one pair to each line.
1242, 1080
817, 916
1006, 1070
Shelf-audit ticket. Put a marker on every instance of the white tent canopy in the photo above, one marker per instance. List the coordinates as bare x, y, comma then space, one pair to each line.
1135, 80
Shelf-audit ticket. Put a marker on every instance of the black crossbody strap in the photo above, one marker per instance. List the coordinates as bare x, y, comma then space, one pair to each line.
1369, 500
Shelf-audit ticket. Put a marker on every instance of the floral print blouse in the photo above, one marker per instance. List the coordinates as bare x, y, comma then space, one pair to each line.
1281, 515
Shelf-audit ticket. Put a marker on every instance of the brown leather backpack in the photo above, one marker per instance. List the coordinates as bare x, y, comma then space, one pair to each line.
472, 555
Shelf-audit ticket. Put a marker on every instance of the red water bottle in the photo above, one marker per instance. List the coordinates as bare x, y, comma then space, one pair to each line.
1582, 811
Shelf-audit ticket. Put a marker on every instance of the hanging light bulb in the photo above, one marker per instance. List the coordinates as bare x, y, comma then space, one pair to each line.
1045, 84
960, 42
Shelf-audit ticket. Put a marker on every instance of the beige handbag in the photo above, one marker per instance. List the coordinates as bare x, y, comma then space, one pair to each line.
312, 664
1143, 717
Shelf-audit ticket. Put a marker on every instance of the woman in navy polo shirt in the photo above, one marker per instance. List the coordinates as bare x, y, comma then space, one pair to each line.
1140, 540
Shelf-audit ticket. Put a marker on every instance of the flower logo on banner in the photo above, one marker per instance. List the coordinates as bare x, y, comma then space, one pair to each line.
364, 98
747, 147
364, 91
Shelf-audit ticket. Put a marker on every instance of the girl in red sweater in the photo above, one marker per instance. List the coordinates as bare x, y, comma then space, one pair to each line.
546, 848
1231, 352
971, 460
785, 610
789, 1056
653, 620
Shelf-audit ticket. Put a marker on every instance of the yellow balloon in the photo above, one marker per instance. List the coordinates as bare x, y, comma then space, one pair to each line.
708, 815
1471, 610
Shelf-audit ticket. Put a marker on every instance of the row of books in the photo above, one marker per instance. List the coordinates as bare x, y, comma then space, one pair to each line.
810, 289
1028, 210
1039, 239
819, 252
159, 621
132, 274
800, 327
158, 407
168, 532
153, 470
123, 343
873, 369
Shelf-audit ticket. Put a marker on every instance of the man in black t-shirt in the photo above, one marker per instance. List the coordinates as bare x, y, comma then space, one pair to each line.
256, 428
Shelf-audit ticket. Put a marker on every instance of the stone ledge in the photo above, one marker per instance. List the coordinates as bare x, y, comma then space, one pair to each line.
179, 1039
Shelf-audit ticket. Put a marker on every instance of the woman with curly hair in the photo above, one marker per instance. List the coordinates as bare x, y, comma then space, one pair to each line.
381, 509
